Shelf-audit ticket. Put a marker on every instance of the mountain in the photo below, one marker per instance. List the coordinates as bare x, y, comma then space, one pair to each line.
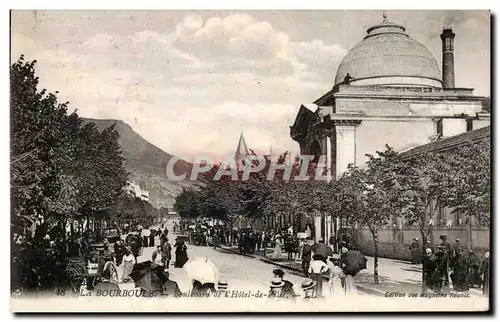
147, 163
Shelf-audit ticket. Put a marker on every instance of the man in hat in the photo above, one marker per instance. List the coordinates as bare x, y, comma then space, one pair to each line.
276, 288
457, 248
309, 288
287, 290
444, 242
166, 253
443, 267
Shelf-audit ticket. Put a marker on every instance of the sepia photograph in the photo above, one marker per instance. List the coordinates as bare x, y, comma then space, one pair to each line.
250, 161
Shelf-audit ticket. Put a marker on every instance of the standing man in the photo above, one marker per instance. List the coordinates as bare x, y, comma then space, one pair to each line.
485, 270
289, 246
306, 256
258, 241
166, 250
331, 241
163, 236
457, 248
413, 250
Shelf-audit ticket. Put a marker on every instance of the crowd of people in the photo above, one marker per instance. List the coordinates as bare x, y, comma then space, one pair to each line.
127, 252
445, 266
39, 260
449, 266
319, 267
52, 259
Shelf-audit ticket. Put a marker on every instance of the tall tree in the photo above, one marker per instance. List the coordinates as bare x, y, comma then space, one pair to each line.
59, 168
468, 183
421, 185
100, 171
41, 133
187, 204
378, 181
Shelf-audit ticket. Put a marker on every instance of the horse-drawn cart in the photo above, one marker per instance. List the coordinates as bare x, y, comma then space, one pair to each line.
98, 266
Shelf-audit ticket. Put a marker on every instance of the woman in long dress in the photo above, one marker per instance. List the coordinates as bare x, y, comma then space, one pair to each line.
181, 256
349, 272
277, 248
128, 264
336, 275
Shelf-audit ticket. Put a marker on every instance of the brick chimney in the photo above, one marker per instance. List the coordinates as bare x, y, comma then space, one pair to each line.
447, 38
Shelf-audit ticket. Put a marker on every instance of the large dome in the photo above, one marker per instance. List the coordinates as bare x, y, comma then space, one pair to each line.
388, 56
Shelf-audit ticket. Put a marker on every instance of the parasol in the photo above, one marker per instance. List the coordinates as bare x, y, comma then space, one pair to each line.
148, 276
146, 232
203, 270
354, 262
322, 250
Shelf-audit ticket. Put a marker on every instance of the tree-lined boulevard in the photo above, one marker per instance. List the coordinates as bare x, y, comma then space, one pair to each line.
65, 171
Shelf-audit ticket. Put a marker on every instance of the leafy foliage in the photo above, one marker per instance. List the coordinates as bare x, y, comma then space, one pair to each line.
468, 185
60, 168
421, 182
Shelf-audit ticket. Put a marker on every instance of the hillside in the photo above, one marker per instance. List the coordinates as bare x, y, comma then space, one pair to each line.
147, 163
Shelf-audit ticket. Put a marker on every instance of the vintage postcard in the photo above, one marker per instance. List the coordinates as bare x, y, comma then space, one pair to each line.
250, 161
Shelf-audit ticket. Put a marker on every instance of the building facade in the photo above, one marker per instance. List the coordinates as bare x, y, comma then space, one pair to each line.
137, 191
388, 90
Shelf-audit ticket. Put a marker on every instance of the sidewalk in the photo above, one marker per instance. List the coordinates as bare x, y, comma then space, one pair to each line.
394, 275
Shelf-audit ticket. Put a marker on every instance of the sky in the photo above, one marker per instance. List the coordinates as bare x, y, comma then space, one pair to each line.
190, 82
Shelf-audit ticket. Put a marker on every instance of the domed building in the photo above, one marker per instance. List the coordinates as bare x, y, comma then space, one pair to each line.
388, 56
388, 89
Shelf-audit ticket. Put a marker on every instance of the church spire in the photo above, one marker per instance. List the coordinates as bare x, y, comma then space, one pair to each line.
241, 152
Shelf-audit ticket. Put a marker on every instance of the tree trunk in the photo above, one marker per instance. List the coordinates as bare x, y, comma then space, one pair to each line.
469, 228
424, 247
375, 258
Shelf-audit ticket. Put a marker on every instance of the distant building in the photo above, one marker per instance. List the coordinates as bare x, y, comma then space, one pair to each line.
136, 190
